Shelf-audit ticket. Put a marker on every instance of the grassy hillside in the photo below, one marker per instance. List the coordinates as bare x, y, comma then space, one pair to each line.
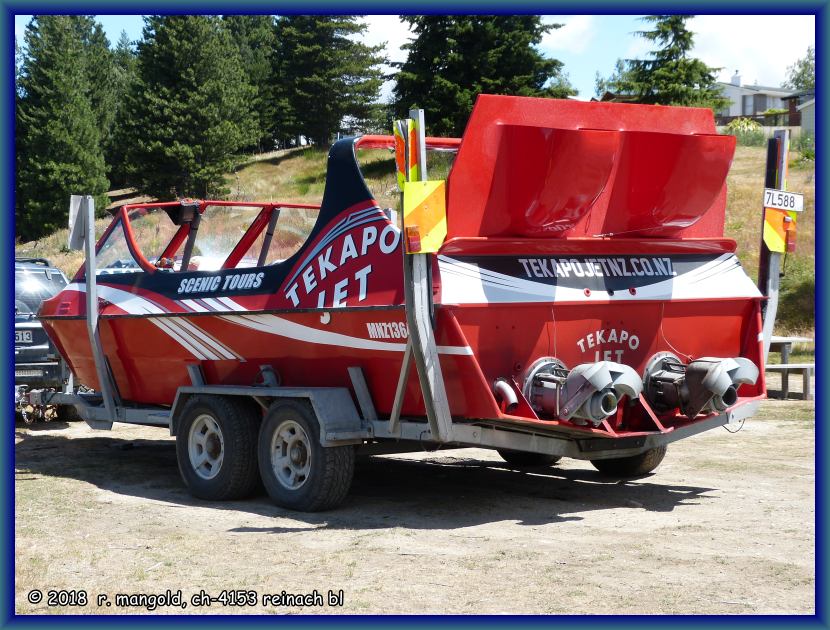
298, 176
796, 313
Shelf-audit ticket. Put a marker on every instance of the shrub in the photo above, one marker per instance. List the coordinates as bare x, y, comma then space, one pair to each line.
749, 132
751, 138
742, 125
805, 144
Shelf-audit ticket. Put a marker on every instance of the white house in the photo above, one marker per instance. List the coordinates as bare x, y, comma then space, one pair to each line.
749, 100
808, 116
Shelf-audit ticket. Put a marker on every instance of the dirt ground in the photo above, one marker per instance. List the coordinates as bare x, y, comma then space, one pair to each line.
724, 526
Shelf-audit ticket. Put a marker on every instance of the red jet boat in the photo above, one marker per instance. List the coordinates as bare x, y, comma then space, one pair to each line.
583, 303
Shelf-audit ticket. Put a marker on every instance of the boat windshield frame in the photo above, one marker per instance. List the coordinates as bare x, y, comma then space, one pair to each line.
122, 221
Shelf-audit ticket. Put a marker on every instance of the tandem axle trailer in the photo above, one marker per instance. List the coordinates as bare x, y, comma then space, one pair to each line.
514, 270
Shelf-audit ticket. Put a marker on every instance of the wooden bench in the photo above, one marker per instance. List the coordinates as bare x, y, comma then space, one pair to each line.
784, 345
806, 370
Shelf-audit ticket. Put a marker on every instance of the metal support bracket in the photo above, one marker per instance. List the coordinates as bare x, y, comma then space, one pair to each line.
87, 213
364, 397
395, 417
421, 345
776, 178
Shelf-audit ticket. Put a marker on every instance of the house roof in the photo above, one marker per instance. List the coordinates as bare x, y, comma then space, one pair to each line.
809, 103
614, 97
765, 89
800, 94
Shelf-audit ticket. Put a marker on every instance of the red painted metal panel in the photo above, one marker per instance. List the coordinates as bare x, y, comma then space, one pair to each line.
667, 176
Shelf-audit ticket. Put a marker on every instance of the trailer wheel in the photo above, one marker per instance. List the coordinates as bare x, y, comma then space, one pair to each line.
216, 447
635, 466
297, 471
522, 459
68, 413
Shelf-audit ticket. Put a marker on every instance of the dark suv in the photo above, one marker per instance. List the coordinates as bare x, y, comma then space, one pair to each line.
36, 361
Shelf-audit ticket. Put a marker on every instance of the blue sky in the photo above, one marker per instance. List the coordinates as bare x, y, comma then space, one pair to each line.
588, 44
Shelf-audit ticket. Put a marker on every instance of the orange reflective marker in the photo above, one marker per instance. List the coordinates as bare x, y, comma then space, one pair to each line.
779, 230
413, 239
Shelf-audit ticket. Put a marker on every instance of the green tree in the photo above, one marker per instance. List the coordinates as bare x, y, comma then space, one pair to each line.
328, 80
603, 85
256, 39
802, 74
124, 61
18, 64
453, 59
670, 76
188, 111
102, 76
58, 141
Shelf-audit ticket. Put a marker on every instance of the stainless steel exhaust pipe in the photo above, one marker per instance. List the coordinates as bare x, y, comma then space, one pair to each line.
505, 393
705, 385
588, 393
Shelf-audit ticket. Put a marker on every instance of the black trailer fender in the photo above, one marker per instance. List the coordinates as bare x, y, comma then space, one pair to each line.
340, 422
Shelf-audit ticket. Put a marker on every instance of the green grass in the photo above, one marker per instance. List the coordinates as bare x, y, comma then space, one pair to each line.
796, 311
791, 410
299, 176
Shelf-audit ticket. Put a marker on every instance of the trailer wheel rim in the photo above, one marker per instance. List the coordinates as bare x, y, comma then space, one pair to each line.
206, 446
291, 455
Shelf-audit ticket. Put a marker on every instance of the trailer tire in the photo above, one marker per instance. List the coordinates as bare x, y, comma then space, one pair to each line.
68, 413
297, 471
634, 466
223, 431
523, 459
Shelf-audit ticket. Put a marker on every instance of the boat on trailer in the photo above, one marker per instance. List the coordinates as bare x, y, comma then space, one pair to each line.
583, 303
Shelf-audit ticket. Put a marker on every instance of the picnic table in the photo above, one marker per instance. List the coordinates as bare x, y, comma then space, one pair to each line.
784, 346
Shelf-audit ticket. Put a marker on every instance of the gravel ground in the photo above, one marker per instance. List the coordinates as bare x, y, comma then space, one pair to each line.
724, 526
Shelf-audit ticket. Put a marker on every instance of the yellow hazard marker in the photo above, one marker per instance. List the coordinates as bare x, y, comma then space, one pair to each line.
781, 208
779, 230
424, 216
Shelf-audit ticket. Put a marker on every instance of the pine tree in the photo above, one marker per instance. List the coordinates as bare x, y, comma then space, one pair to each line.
57, 133
18, 65
101, 73
256, 39
603, 85
188, 112
124, 61
328, 81
671, 76
453, 59
802, 74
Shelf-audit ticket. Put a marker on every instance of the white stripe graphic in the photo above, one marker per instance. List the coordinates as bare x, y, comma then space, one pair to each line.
207, 339
176, 334
194, 306
466, 283
229, 303
274, 325
195, 340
